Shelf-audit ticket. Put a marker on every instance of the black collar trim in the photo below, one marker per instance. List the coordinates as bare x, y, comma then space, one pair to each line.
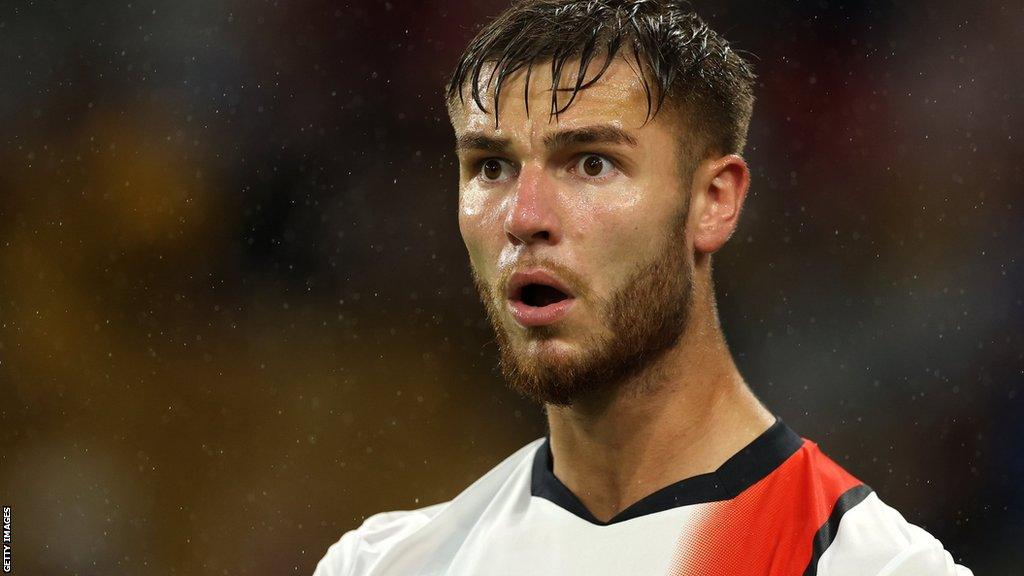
742, 470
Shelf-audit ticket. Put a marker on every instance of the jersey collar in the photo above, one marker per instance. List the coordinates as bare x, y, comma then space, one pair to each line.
755, 461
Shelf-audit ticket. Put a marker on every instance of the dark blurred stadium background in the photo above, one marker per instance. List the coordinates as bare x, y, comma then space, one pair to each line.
236, 315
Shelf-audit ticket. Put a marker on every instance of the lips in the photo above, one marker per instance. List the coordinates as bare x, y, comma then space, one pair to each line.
538, 298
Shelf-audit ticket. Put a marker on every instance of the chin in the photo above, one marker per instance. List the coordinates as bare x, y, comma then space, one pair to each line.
553, 343
545, 370
548, 355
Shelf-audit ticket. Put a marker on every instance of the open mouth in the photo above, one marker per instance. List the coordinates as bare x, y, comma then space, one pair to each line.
536, 298
540, 295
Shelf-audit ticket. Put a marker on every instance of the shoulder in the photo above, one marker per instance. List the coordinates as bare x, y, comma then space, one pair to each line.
873, 538
865, 536
372, 538
358, 550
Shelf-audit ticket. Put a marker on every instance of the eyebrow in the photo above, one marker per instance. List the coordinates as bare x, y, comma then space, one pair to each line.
481, 141
604, 134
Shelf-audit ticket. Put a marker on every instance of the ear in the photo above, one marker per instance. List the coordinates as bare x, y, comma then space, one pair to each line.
720, 187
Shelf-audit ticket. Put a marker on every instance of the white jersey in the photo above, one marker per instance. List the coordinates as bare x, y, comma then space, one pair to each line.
778, 507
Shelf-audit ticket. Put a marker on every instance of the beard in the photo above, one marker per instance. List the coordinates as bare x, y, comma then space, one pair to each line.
644, 318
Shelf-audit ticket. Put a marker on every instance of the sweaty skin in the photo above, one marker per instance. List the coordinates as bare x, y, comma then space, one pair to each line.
527, 199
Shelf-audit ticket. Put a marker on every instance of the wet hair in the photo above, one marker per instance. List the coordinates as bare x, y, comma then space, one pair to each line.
680, 60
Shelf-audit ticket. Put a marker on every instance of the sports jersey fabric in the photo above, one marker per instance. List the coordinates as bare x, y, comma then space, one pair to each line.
778, 507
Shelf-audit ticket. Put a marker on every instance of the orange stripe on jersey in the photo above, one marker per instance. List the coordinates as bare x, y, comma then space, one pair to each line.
769, 528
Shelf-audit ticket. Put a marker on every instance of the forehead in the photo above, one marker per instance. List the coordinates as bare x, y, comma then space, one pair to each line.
617, 98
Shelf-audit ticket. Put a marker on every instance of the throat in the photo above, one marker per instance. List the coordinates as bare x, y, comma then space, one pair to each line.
636, 446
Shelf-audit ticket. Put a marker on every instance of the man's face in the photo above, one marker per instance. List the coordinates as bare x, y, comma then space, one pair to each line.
576, 232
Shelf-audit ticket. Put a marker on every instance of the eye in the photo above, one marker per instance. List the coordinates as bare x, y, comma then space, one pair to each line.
495, 170
593, 166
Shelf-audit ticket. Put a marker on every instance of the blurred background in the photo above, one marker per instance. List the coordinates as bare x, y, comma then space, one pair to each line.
236, 315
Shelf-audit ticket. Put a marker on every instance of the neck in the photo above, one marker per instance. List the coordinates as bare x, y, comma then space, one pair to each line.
684, 415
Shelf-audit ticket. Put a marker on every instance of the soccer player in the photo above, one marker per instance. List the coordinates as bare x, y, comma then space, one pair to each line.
599, 148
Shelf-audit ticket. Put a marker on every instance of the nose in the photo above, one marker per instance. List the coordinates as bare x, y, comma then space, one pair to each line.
532, 217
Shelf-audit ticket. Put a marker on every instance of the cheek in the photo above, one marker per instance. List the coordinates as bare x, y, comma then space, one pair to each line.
615, 212
612, 227
481, 227
618, 231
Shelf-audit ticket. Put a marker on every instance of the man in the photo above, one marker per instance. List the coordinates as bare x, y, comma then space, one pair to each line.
599, 145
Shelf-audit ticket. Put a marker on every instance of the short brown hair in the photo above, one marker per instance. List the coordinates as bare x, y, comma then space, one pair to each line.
684, 62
